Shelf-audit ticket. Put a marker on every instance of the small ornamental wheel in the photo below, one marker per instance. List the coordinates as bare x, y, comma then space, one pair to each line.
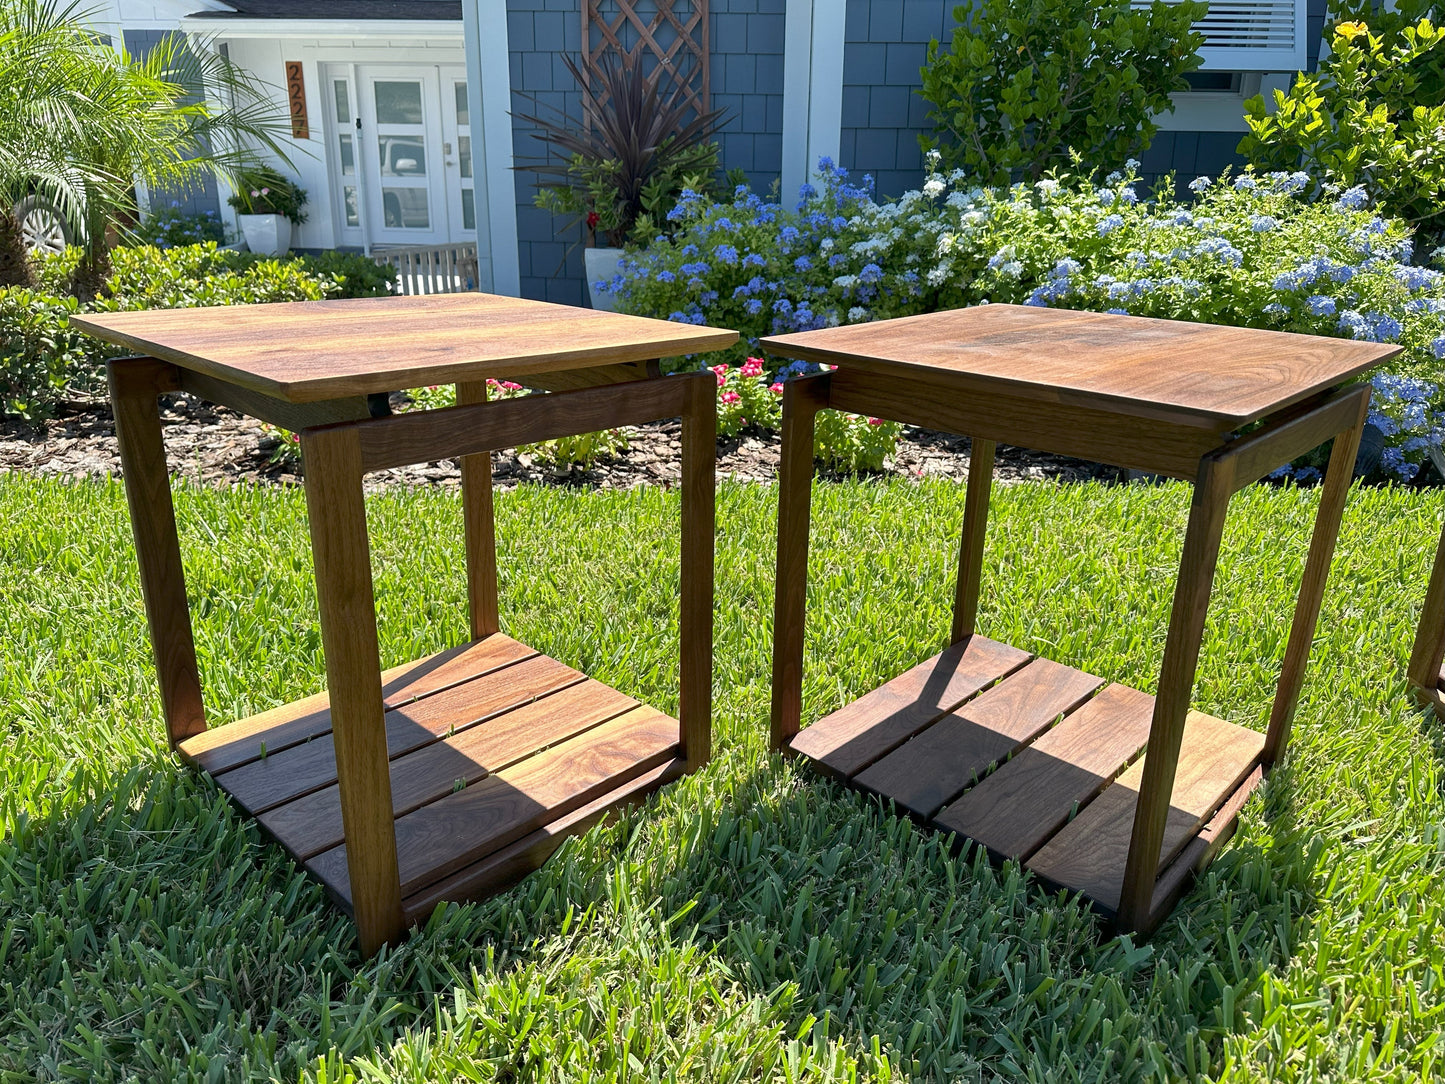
42, 225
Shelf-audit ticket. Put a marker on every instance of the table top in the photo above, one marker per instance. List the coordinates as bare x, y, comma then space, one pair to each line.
1206, 374
308, 351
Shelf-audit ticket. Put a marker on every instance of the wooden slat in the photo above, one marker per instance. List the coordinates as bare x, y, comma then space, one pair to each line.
854, 736
312, 823
933, 768
304, 351
514, 861
293, 772
1088, 854
1020, 806
443, 837
239, 743
1167, 369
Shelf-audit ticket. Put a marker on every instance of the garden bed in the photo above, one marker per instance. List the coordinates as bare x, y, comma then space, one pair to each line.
215, 446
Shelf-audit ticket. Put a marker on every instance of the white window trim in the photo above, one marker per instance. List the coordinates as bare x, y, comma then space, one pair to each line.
1256, 58
813, 32
489, 97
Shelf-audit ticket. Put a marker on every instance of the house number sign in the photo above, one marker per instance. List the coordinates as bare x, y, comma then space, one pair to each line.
296, 97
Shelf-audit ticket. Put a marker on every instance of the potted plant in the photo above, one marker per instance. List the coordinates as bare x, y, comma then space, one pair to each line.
621, 173
267, 206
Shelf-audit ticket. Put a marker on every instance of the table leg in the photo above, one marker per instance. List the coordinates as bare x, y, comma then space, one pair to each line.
802, 399
479, 527
1338, 476
1429, 650
335, 505
699, 521
975, 528
135, 384
1212, 491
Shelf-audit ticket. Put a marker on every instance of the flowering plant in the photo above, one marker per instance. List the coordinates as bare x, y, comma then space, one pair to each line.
1250, 250
746, 396
267, 192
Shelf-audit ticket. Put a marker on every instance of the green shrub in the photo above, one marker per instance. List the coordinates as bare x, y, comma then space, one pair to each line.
42, 357
1251, 251
746, 398
1372, 115
1025, 84
39, 351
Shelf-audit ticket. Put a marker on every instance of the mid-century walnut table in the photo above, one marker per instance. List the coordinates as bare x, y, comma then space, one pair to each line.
449, 777
990, 742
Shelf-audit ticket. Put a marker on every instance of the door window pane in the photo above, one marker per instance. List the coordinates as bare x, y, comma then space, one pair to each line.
348, 157
353, 217
402, 156
398, 103
463, 117
464, 154
405, 208
343, 101
469, 209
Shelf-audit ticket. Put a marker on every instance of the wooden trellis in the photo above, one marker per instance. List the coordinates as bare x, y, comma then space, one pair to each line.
678, 42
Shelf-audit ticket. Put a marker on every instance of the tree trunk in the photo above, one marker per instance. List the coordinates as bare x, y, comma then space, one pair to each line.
88, 279
15, 266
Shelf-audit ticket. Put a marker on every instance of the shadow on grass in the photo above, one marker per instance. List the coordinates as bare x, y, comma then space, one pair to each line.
895, 935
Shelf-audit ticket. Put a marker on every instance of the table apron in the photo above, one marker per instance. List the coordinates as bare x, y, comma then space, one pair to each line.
1102, 436
269, 409
425, 436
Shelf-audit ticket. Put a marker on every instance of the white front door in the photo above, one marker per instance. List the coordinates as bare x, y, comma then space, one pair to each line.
402, 149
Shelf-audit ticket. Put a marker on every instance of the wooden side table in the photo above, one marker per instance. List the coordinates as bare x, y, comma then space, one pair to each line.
990, 742
1427, 657
450, 777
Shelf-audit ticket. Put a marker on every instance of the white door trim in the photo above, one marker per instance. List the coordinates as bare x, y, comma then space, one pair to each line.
813, 32
489, 91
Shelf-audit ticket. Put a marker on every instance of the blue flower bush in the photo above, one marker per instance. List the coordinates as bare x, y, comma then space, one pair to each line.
1268, 251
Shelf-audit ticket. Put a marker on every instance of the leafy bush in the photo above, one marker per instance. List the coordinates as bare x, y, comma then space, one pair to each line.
173, 228
1023, 85
41, 357
1251, 250
1373, 115
38, 350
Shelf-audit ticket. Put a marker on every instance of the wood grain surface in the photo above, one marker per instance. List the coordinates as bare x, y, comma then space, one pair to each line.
225, 747
1088, 854
306, 351
937, 765
1026, 801
444, 836
1129, 364
854, 736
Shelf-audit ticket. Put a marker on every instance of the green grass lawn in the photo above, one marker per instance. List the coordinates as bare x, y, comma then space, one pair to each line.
751, 921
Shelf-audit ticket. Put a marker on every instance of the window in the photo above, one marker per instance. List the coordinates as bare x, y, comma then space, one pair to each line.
1252, 35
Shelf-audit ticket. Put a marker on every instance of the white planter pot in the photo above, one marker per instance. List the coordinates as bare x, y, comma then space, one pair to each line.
266, 235
601, 265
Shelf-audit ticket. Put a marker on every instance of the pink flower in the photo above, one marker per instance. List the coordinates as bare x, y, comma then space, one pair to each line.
254, 193
507, 385
722, 374
875, 421
753, 367
265, 191
776, 389
730, 397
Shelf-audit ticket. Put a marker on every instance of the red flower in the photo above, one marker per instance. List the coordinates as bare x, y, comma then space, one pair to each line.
592, 219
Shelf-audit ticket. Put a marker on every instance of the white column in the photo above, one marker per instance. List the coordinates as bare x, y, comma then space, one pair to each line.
812, 88
489, 94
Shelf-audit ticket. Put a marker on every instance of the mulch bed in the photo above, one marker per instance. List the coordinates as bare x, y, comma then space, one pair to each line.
215, 446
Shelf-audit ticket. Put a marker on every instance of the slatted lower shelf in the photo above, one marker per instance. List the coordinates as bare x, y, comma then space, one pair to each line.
1038, 762
498, 753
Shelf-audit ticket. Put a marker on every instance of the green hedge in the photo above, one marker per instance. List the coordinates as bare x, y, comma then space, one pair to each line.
42, 358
